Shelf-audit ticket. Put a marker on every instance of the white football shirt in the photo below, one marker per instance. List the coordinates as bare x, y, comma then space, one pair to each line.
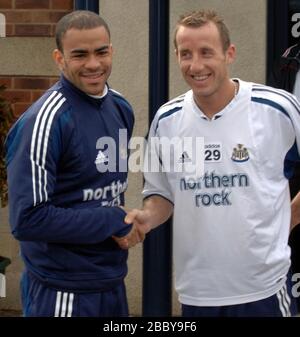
231, 223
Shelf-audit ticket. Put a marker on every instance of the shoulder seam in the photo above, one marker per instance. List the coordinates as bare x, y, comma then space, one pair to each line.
174, 101
119, 96
270, 103
283, 93
167, 114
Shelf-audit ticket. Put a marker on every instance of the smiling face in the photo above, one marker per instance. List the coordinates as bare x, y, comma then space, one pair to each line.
203, 61
86, 59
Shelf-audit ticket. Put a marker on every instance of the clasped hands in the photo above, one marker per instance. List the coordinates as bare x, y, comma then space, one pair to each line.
140, 227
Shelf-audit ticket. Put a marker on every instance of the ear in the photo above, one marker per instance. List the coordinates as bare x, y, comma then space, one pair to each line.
58, 58
230, 54
112, 51
176, 54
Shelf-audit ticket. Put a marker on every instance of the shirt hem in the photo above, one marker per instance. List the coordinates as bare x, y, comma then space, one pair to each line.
216, 302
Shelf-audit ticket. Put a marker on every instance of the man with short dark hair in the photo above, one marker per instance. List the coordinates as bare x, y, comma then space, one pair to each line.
66, 184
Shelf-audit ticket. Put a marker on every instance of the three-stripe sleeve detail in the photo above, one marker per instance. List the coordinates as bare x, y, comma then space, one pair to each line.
39, 145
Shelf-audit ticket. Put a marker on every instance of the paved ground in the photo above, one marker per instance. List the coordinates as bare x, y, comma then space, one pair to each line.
10, 313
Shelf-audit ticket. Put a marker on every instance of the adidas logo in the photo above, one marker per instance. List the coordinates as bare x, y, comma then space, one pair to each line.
101, 158
184, 158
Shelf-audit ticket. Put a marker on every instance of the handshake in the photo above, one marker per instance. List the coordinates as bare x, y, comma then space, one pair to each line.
156, 210
140, 220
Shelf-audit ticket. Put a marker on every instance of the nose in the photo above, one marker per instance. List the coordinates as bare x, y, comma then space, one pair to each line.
92, 62
196, 64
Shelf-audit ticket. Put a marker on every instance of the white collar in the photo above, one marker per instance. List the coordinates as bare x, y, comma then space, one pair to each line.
105, 91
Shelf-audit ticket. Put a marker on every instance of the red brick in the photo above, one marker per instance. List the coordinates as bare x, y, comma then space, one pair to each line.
15, 96
40, 16
32, 4
19, 108
7, 81
10, 30
36, 94
6, 4
59, 4
31, 83
53, 80
17, 16
46, 16
32, 30
53, 30
56, 16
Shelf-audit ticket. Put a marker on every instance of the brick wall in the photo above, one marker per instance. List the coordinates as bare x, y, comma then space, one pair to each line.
22, 91
36, 18
33, 17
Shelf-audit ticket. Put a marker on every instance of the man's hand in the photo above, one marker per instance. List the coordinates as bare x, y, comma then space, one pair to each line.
156, 210
138, 219
131, 239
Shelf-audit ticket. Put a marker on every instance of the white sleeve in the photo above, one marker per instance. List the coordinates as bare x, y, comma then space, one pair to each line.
294, 113
156, 181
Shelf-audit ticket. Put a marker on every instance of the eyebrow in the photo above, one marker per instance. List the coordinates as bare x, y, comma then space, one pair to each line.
84, 51
183, 50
